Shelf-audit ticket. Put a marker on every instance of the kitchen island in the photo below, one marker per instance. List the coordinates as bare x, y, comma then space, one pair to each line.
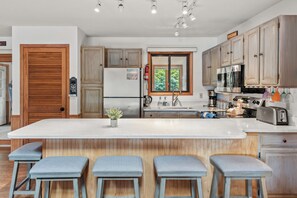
146, 138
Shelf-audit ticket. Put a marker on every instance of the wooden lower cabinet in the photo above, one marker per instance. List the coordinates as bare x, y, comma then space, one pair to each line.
171, 114
92, 102
279, 151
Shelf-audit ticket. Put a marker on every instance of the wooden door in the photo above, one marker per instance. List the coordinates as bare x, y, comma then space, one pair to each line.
92, 102
251, 50
215, 64
206, 68
44, 82
225, 53
283, 162
269, 53
237, 50
92, 65
133, 57
115, 58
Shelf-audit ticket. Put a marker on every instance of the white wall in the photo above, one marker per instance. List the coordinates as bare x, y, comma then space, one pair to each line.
44, 35
285, 7
6, 49
145, 42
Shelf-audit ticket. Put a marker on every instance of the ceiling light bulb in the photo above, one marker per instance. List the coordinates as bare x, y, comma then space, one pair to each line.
97, 8
154, 9
121, 5
185, 8
176, 33
192, 17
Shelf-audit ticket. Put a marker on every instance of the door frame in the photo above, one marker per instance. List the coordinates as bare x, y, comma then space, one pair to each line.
7, 64
22, 76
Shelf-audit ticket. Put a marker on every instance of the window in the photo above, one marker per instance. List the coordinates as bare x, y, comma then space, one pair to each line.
170, 72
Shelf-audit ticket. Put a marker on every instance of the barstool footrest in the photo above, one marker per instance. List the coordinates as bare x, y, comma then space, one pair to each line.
24, 192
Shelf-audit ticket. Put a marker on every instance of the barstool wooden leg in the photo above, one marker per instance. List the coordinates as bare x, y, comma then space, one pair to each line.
199, 188
162, 188
193, 191
100, 188
263, 188
214, 184
136, 188
227, 185
157, 188
249, 189
83, 187
75, 188
47, 189
14, 179
37, 188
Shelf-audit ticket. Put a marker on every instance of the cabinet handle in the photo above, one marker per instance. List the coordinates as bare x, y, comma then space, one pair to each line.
126, 59
228, 53
284, 141
231, 52
101, 65
121, 58
255, 55
261, 54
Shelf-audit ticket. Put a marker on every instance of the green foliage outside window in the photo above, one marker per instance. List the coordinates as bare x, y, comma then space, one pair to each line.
160, 79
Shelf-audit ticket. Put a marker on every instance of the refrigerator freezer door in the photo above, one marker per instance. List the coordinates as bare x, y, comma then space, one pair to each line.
121, 82
129, 106
2, 95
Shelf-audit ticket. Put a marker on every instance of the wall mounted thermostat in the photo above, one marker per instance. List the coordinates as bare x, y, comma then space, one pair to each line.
73, 87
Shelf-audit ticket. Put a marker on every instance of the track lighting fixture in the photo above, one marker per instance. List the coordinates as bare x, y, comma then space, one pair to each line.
192, 17
185, 8
98, 6
121, 5
154, 7
176, 33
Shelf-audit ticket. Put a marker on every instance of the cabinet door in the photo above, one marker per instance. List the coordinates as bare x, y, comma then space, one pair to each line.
251, 50
92, 65
92, 102
164, 114
283, 162
237, 50
115, 58
215, 64
225, 53
133, 57
206, 68
269, 53
188, 115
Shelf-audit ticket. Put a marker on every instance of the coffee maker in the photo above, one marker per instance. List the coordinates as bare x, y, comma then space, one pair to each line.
212, 98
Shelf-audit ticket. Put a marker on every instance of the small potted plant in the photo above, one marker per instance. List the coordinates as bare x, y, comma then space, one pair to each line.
114, 114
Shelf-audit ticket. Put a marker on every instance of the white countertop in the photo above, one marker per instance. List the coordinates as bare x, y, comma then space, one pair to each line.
201, 108
145, 129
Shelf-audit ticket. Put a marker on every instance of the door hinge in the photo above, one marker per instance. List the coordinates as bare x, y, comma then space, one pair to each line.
259, 155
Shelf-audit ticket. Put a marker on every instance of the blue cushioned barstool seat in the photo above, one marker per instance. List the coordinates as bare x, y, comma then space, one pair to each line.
239, 167
62, 168
179, 168
117, 168
28, 154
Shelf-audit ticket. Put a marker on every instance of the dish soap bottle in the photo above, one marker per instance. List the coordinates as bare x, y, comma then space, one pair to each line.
276, 96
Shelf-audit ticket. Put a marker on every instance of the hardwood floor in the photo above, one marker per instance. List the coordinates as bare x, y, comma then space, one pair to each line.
6, 167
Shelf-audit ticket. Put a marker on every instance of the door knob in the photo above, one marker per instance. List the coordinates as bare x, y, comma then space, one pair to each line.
62, 109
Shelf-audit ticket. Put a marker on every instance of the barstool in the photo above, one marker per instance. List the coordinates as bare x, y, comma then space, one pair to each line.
28, 154
179, 168
117, 168
239, 167
64, 168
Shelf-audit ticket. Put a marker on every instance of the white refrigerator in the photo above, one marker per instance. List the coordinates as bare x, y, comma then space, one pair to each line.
2, 95
122, 89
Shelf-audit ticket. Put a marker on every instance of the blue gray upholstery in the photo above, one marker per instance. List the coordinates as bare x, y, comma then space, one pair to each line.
59, 167
28, 152
179, 166
118, 166
238, 165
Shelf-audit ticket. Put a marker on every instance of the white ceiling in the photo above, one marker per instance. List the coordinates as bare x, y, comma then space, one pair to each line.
214, 17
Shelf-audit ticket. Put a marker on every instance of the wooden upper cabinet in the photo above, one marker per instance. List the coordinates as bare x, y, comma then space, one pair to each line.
269, 53
252, 47
215, 61
225, 53
124, 58
206, 68
92, 65
237, 50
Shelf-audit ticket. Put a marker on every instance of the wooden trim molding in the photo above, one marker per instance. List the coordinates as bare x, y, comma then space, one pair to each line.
15, 122
6, 58
75, 116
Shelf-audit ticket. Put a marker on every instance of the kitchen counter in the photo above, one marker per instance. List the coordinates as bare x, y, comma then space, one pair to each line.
146, 129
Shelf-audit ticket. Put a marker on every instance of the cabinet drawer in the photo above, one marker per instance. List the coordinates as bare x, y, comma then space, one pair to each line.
151, 114
168, 114
188, 114
279, 139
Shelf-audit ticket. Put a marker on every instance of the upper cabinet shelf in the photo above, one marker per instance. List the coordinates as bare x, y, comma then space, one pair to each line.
121, 58
267, 51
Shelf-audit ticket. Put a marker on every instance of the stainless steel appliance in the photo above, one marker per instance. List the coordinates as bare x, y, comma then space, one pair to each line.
273, 115
2, 95
122, 89
212, 98
231, 79
147, 100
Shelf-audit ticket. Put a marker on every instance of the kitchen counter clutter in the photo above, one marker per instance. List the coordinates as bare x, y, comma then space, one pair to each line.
146, 129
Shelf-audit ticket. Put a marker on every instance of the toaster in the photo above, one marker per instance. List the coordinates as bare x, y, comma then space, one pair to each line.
273, 115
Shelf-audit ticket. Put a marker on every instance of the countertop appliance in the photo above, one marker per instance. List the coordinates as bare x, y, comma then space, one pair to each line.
212, 98
122, 89
147, 100
2, 95
231, 79
273, 115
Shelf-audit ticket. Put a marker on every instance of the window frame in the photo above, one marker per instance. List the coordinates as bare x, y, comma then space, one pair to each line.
189, 73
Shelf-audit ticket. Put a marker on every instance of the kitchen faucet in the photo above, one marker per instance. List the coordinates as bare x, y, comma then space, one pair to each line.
175, 99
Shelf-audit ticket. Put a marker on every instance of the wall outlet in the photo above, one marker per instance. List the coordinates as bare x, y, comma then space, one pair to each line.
201, 95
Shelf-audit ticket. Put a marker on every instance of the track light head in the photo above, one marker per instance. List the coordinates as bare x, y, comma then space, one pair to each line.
185, 8
121, 5
98, 6
192, 17
176, 33
154, 7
